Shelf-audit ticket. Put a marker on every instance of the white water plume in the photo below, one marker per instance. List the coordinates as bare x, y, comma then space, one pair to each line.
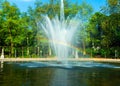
60, 32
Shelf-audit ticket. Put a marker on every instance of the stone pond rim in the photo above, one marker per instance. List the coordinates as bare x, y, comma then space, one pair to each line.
55, 59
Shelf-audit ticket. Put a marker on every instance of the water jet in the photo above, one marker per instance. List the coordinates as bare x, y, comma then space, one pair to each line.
60, 32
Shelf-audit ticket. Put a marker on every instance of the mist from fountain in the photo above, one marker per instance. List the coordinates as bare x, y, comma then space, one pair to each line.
60, 32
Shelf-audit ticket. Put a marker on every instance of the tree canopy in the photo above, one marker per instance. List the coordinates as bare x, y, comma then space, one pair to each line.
99, 33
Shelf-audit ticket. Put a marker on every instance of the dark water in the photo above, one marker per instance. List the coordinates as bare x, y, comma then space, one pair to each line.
12, 74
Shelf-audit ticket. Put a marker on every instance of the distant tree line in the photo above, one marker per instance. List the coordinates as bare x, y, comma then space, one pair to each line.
99, 34
104, 30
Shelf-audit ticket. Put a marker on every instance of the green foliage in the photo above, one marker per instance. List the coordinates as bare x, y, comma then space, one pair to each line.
19, 31
113, 6
104, 29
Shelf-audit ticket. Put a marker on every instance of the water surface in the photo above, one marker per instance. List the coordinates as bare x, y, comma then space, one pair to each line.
16, 74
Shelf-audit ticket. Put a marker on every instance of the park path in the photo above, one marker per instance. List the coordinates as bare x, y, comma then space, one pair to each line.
54, 59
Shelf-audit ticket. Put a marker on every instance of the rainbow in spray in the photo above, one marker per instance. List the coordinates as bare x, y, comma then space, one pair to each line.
60, 30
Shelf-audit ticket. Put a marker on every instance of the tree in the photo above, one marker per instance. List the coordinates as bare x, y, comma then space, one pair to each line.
111, 29
113, 6
12, 30
104, 27
96, 32
84, 13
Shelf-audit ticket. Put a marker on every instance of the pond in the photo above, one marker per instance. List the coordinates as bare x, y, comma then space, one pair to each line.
20, 74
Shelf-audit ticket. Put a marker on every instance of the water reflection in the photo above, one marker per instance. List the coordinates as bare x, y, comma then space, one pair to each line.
59, 78
15, 75
1, 65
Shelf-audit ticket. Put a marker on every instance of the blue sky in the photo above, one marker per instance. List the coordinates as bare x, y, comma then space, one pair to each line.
24, 4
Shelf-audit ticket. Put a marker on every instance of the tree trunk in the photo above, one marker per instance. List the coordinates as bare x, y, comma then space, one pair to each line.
22, 51
50, 52
38, 51
12, 50
84, 49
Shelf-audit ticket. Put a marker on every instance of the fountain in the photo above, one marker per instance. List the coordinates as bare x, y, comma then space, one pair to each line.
60, 32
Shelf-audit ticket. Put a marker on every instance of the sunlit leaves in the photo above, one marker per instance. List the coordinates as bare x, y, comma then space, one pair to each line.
113, 2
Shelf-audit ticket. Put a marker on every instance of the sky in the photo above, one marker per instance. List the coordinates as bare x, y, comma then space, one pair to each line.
24, 4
